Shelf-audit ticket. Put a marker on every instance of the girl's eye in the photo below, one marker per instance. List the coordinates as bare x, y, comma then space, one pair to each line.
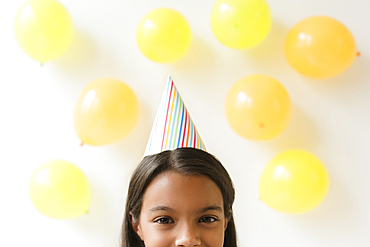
163, 221
208, 219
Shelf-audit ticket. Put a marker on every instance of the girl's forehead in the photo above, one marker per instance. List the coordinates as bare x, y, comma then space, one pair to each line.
175, 180
174, 189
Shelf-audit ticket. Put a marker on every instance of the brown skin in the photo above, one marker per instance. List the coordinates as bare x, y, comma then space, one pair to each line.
181, 210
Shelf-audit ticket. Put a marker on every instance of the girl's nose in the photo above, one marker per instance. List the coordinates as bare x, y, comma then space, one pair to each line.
188, 236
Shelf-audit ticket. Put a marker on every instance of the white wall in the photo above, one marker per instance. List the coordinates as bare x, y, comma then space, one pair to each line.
331, 118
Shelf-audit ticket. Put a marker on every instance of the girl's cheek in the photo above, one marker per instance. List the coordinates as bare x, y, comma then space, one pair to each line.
213, 236
213, 240
163, 239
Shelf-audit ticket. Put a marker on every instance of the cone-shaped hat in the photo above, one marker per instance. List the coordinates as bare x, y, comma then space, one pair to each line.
173, 127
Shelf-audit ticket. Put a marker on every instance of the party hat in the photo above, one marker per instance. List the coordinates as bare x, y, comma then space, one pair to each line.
173, 127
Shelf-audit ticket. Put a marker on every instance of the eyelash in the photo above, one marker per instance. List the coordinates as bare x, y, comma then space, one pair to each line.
208, 219
168, 220
161, 220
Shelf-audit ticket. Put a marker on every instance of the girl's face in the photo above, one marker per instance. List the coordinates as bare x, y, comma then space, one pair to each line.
184, 211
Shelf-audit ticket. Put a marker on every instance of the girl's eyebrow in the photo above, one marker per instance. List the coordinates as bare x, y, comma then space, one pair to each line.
210, 208
162, 208
168, 209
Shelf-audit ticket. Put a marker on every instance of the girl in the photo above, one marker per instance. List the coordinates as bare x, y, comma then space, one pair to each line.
181, 198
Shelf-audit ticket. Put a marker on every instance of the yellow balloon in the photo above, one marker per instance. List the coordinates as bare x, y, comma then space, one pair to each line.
294, 182
105, 112
163, 35
44, 29
320, 47
241, 24
258, 107
59, 190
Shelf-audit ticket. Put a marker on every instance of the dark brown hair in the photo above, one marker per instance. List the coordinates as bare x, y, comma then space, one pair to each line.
186, 161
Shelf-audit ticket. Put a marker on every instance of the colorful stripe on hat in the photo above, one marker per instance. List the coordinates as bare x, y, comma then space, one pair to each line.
173, 127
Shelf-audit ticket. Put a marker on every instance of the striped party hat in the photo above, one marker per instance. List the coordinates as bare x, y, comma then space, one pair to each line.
173, 127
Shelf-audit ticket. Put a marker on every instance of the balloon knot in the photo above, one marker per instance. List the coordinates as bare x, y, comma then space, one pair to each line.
358, 54
82, 143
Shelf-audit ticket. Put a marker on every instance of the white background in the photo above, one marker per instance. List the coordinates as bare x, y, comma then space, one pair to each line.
331, 119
